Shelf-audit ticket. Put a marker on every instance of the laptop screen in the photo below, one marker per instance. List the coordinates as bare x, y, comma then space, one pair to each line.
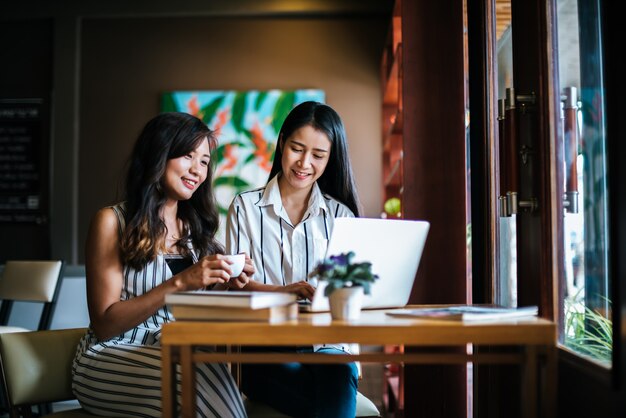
393, 246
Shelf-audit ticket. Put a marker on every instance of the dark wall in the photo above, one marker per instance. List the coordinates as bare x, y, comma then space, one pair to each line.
26, 57
127, 63
101, 70
25, 73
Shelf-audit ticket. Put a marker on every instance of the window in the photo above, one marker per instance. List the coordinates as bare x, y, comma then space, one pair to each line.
567, 210
585, 296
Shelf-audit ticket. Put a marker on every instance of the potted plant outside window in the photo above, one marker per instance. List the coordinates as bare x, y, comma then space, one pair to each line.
346, 283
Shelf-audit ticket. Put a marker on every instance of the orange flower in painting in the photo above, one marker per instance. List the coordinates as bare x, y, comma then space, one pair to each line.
193, 107
263, 152
222, 119
229, 161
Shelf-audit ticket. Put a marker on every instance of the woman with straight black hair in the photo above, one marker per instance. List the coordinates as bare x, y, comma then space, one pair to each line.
285, 227
159, 240
337, 179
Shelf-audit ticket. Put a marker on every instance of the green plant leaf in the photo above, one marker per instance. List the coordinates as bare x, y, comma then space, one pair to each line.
249, 158
259, 100
283, 106
587, 331
168, 104
233, 181
339, 272
330, 287
238, 111
367, 289
247, 134
208, 111
218, 153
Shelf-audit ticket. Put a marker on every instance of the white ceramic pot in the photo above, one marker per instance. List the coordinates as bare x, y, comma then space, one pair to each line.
346, 303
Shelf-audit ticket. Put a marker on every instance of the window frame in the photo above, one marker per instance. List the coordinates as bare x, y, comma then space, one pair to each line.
546, 269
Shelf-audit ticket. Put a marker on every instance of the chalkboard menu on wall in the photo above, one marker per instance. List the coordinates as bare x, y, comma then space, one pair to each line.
20, 161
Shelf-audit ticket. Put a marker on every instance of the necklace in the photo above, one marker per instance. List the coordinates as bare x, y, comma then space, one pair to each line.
170, 246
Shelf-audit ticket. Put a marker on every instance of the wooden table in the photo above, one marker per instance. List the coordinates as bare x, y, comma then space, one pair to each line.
533, 340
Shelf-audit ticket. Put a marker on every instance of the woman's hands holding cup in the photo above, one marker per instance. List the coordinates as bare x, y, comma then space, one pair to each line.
214, 269
242, 270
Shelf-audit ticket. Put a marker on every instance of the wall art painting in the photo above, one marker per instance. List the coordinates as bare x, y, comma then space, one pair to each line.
247, 125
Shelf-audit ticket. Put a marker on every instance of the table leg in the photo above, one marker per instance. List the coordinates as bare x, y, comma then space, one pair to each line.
550, 380
235, 367
187, 382
529, 383
168, 382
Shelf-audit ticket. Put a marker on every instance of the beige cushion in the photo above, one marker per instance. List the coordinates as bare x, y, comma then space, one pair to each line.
8, 328
29, 280
364, 408
38, 365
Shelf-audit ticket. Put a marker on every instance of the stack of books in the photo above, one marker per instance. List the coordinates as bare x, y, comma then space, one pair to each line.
233, 306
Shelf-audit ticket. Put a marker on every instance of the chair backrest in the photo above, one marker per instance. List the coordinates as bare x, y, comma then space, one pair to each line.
37, 365
30, 281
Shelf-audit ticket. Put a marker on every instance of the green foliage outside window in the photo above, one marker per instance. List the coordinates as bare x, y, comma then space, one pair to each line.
587, 331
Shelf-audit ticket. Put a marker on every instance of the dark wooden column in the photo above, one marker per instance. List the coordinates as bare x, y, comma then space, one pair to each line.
435, 185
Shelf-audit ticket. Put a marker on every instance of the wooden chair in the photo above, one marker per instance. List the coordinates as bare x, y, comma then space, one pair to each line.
30, 281
37, 369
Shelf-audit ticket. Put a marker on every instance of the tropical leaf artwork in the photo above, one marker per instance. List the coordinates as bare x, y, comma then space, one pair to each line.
247, 125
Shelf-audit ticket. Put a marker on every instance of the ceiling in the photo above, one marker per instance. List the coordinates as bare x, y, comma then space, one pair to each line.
503, 16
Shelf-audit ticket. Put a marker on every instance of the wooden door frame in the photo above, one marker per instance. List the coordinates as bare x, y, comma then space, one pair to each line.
435, 183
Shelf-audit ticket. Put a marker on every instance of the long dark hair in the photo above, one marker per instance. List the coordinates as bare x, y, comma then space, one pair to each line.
337, 179
166, 136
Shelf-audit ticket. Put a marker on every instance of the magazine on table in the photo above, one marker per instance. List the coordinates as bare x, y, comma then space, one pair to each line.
466, 313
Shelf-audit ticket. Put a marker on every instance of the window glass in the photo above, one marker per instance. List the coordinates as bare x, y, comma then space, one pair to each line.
585, 298
506, 288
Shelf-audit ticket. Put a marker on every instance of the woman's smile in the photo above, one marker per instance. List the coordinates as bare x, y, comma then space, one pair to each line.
305, 156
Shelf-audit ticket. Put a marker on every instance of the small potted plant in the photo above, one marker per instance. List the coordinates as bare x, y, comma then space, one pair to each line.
346, 283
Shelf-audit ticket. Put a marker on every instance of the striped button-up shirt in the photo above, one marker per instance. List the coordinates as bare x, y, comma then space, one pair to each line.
283, 253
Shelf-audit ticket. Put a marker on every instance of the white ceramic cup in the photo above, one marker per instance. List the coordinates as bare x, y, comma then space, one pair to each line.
238, 260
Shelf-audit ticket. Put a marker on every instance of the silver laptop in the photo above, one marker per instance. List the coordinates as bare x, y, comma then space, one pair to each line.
393, 246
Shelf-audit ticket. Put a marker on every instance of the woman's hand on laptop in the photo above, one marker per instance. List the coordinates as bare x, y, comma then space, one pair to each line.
302, 289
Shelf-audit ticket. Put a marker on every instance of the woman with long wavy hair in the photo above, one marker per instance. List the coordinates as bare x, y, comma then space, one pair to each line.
160, 239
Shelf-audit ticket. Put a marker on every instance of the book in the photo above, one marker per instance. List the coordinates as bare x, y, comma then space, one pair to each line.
466, 313
271, 314
235, 299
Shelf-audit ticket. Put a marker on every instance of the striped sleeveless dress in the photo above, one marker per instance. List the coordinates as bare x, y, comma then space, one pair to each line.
122, 376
